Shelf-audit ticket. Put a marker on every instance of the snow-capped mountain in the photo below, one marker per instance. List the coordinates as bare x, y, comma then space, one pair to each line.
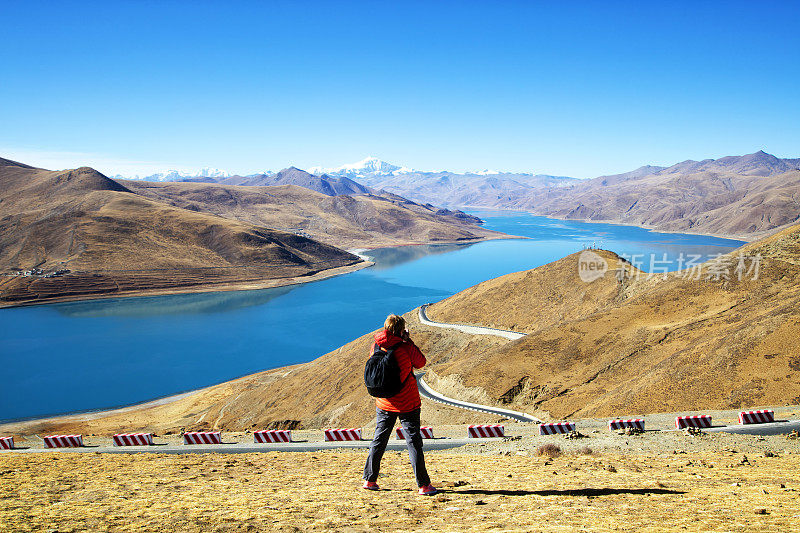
442, 187
368, 166
262, 173
178, 175
372, 167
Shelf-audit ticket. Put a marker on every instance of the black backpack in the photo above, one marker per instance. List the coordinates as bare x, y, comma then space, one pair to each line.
382, 373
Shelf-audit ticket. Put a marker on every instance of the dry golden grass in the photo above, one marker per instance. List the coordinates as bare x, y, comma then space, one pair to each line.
532, 300
320, 491
647, 345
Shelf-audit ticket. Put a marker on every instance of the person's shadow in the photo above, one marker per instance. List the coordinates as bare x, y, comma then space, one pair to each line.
589, 493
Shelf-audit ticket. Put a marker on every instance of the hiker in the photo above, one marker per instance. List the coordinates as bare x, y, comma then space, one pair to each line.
393, 342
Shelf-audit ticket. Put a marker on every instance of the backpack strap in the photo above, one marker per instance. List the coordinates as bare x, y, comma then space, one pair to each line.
377, 347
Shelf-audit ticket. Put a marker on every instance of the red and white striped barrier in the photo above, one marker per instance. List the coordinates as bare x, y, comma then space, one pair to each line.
477, 431
133, 439
63, 441
757, 417
272, 435
343, 434
694, 421
425, 431
6, 443
619, 423
552, 428
202, 437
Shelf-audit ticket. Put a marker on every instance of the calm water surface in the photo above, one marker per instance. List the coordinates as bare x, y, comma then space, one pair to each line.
98, 354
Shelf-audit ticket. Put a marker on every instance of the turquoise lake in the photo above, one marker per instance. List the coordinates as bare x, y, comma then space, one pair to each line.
105, 353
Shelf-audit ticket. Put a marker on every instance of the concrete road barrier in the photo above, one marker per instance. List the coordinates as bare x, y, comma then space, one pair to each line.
202, 437
343, 434
477, 431
63, 441
757, 417
554, 428
695, 421
425, 431
272, 435
618, 423
250, 447
133, 439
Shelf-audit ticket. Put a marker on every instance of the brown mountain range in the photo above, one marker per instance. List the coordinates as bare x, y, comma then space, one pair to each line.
115, 241
86, 221
122, 239
616, 346
294, 176
743, 197
358, 221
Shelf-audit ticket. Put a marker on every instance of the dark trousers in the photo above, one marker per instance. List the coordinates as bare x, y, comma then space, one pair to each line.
383, 431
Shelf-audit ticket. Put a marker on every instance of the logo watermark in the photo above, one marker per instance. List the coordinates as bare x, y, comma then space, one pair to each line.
719, 267
591, 266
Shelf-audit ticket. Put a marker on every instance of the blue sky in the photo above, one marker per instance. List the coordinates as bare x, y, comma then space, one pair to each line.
580, 90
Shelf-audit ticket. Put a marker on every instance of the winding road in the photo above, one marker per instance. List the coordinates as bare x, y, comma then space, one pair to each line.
426, 391
474, 330
775, 428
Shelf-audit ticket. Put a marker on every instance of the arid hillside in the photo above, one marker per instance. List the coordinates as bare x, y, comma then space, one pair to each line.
140, 237
114, 240
328, 391
358, 221
719, 203
700, 339
693, 340
745, 197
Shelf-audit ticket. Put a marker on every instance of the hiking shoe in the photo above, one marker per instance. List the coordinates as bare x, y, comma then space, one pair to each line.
370, 485
428, 490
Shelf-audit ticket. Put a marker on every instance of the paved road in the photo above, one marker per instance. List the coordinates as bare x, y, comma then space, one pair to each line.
426, 391
249, 447
774, 428
429, 393
474, 330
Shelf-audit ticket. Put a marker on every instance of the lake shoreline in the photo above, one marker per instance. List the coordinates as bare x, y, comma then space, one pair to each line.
249, 285
268, 283
150, 329
746, 238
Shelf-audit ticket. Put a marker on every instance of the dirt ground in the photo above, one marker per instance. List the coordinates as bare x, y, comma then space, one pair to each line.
653, 482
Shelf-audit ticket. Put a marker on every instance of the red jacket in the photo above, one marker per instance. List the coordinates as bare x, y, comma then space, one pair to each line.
408, 358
